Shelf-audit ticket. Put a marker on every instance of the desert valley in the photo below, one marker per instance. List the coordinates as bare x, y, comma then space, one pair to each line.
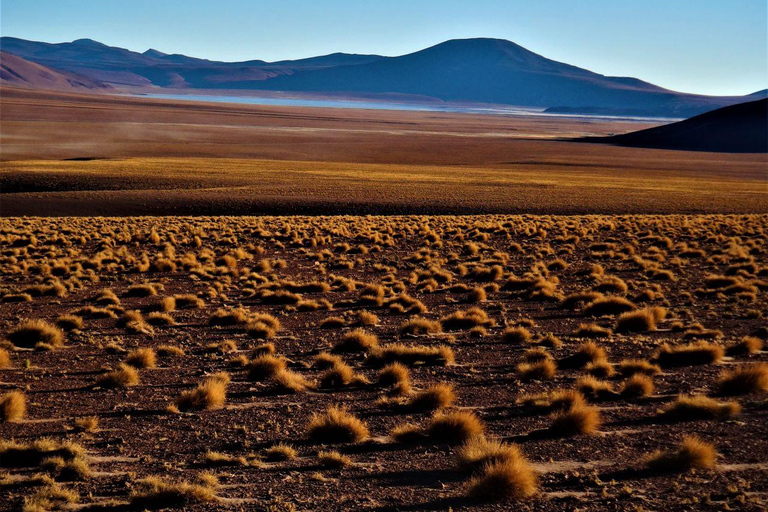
208, 305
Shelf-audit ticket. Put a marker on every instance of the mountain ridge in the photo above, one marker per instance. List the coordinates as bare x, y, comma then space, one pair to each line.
477, 70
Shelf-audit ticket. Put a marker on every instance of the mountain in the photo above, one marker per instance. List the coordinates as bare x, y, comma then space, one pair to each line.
741, 128
463, 70
17, 72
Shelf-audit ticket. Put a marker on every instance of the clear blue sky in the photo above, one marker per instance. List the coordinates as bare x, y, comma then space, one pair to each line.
702, 46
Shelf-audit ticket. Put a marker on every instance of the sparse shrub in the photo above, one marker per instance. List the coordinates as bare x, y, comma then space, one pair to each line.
336, 425
747, 345
397, 377
229, 317
155, 493
157, 318
412, 355
594, 389
744, 380
433, 397
479, 452
588, 353
419, 326
511, 480
592, 331
642, 320
693, 453
637, 386
31, 333
332, 459
356, 341
340, 375
188, 300
454, 427
689, 355
600, 369
465, 320
629, 367
210, 394
699, 407
265, 367
333, 322
608, 306
170, 350
13, 406
516, 335
279, 452
69, 322
123, 376
539, 370
141, 358
578, 420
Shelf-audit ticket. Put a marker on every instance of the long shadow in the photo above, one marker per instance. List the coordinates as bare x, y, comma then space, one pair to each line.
447, 503
414, 477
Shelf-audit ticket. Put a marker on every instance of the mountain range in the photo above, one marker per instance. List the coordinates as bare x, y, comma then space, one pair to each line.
489, 71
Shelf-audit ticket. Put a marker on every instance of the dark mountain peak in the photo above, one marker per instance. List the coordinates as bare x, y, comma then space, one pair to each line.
154, 53
88, 42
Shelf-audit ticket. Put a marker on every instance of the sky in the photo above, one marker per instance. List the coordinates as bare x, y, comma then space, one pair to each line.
715, 47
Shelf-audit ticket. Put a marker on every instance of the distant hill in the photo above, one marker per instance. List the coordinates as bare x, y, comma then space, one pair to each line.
741, 128
18, 72
463, 70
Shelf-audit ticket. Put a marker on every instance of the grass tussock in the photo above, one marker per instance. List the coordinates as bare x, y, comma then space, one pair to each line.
396, 377
744, 380
516, 335
279, 453
454, 428
642, 320
122, 377
637, 386
265, 367
356, 341
332, 459
692, 453
209, 394
630, 367
156, 493
699, 407
14, 454
336, 425
32, 333
13, 406
746, 346
434, 397
480, 451
141, 358
694, 354
539, 370
608, 306
419, 326
508, 480
579, 420
592, 331
412, 355
465, 320
5, 359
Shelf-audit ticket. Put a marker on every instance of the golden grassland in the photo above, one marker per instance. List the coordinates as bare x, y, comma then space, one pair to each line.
136, 156
376, 363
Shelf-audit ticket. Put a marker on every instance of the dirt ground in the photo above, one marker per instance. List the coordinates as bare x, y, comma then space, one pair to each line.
106, 155
708, 273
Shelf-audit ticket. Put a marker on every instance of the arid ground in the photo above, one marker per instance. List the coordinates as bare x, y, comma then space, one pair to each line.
583, 328
101, 155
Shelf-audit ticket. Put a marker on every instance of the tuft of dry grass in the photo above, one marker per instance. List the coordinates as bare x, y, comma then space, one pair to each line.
141, 358
396, 377
693, 453
5, 358
209, 394
516, 335
87, 423
50, 497
434, 397
608, 306
21, 455
419, 326
629, 367
744, 380
454, 428
31, 333
265, 367
480, 451
747, 345
170, 350
699, 407
13, 406
642, 320
336, 425
412, 355
592, 331
356, 341
280, 452
332, 459
544, 369
155, 493
465, 320
579, 420
508, 480
594, 389
588, 353
69, 322
637, 386
122, 377
689, 355
556, 400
